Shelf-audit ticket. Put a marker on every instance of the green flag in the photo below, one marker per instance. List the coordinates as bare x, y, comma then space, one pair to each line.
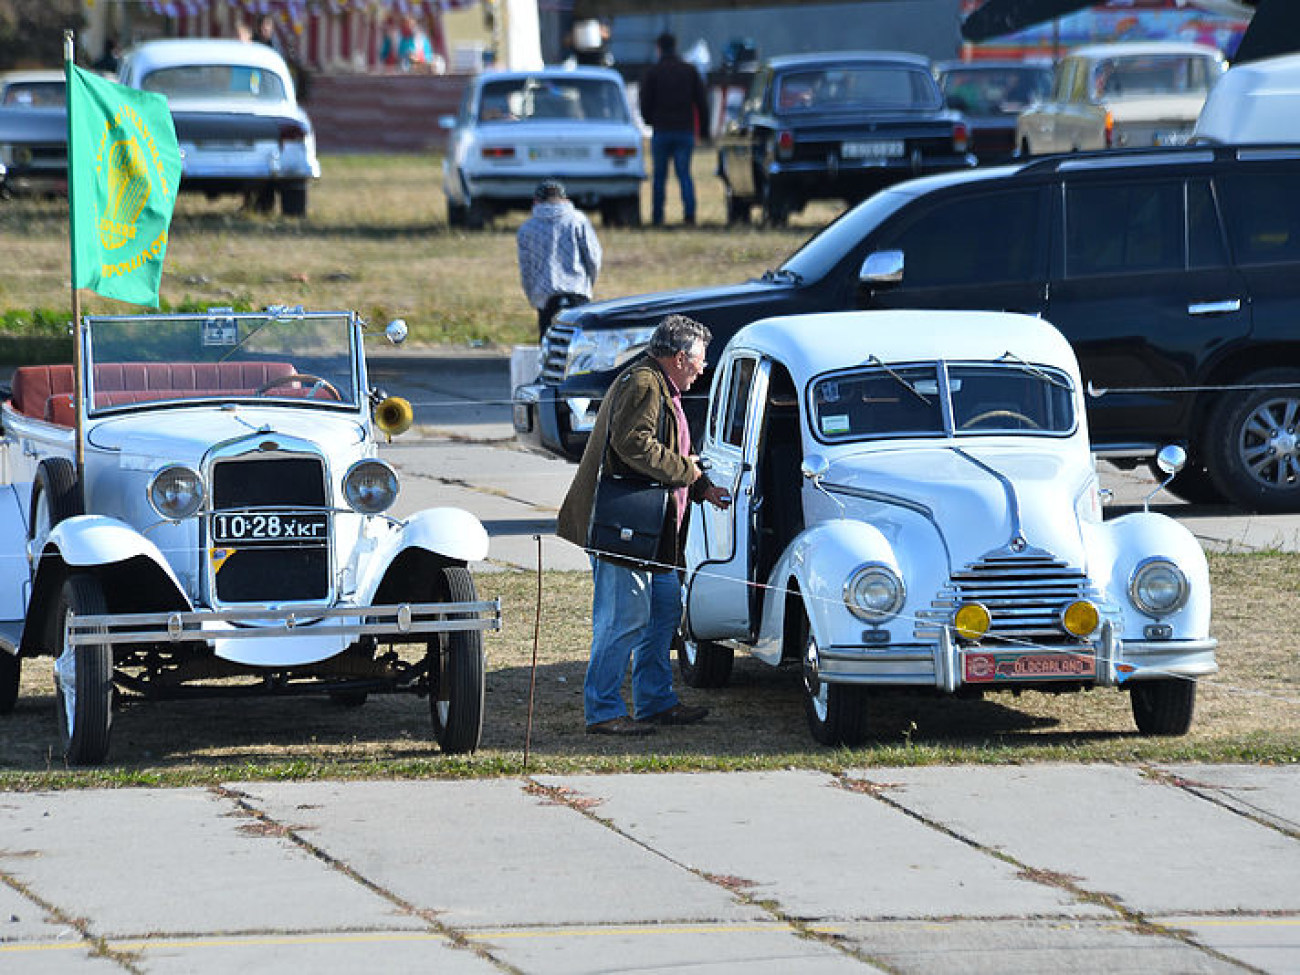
124, 168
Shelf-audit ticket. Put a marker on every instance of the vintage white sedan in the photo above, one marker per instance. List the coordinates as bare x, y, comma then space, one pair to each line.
916, 505
221, 527
238, 121
517, 128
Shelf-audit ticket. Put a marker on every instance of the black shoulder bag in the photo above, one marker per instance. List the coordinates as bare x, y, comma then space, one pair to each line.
627, 515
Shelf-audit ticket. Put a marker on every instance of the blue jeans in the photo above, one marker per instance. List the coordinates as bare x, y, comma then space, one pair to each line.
677, 146
634, 614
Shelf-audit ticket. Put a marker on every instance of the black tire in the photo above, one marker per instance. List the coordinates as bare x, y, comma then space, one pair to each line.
627, 211
477, 216
293, 199
262, 199
1192, 484
738, 210
703, 663
348, 699
56, 495
458, 686
1164, 706
85, 723
11, 672
837, 713
455, 214
776, 207
1253, 444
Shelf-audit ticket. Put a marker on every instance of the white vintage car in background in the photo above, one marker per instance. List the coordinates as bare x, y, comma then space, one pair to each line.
916, 506
517, 128
238, 121
225, 530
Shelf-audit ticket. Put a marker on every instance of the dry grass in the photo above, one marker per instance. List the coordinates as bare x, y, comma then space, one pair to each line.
1249, 712
376, 240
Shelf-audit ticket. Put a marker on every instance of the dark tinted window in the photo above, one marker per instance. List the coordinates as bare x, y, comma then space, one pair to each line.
1263, 217
1116, 227
1204, 234
973, 240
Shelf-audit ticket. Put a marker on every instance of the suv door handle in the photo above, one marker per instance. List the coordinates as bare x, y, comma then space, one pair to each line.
1214, 307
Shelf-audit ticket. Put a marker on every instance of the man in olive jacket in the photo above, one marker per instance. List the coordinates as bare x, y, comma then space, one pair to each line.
635, 610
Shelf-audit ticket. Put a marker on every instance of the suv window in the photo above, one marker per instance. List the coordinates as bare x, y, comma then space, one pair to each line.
973, 240
1263, 217
1112, 228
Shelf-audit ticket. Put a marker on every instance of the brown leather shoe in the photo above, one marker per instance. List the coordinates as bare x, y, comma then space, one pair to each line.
622, 725
677, 714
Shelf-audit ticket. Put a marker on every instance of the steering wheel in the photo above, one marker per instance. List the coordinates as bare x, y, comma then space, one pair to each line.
301, 377
1000, 414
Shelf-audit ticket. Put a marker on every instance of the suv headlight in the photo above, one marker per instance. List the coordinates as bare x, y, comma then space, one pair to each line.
598, 351
370, 486
874, 592
1158, 587
176, 492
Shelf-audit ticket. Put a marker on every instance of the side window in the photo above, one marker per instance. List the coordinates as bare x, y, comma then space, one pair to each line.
973, 240
1263, 217
1116, 227
1204, 233
737, 405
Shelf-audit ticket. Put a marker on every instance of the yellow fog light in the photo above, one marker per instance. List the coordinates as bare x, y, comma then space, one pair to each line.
1080, 618
971, 621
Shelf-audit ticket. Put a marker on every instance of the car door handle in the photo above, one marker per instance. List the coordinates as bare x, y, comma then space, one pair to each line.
1223, 307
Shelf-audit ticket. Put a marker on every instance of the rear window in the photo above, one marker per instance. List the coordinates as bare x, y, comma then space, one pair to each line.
843, 87
545, 99
216, 80
35, 94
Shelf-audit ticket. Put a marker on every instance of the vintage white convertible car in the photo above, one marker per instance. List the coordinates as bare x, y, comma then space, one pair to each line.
916, 506
221, 528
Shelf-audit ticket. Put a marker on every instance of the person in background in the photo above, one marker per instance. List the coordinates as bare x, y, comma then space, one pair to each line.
673, 103
265, 33
111, 58
559, 255
635, 610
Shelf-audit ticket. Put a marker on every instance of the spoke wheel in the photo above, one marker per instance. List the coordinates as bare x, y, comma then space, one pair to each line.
837, 713
1253, 447
83, 676
458, 673
703, 663
1165, 706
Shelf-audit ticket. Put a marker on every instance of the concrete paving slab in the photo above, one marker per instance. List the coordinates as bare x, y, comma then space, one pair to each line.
21, 918
817, 850
490, 854
161, 861
1270, 944
1157, 848
72, 957
1026, 947
704, 949
1269, 793
333, 953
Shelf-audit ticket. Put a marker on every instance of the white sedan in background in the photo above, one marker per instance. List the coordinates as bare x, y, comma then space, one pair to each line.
916, 506
517, 128
237, 118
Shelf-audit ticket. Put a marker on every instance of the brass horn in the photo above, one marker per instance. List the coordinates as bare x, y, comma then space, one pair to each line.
394, 416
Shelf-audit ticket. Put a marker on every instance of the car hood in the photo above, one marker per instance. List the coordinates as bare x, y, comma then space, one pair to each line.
1183, 108
185, 435
980, 499
651, 307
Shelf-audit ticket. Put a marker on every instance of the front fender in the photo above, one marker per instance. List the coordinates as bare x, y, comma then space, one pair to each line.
452, 533
87, 541
818, 563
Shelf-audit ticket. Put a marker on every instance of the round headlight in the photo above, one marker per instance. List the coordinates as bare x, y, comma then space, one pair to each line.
370, 486
1158, 587
874, 592
176, 492
971, 621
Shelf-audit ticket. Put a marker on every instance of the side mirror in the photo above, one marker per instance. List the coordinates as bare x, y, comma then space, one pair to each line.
881, 267
1170, 460
396, 331
814, 467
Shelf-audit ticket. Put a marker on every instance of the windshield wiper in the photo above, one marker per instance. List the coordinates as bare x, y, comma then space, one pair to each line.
1034, 370
875, 360
781, 276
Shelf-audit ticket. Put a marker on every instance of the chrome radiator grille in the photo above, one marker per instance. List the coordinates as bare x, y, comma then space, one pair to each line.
271, 569
1023, 593
555, 352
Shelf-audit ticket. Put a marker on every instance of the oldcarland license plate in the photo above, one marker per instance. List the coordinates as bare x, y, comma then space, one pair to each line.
987, 668
245, 528
875, 149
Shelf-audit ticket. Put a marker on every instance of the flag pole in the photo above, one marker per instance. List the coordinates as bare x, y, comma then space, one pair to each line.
78, 366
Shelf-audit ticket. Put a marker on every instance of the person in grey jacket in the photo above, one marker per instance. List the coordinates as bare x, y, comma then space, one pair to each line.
559, 255
636, 609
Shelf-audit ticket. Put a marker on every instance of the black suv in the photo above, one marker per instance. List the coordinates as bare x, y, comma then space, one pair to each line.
1174, 273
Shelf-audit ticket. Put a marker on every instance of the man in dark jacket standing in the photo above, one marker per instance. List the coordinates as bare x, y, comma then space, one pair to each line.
641, 430
673, 103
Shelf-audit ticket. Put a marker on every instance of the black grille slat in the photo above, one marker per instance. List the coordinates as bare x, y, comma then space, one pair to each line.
555, 352
298, 569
